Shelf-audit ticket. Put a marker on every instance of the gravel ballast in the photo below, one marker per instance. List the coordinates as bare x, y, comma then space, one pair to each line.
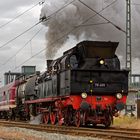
15, 133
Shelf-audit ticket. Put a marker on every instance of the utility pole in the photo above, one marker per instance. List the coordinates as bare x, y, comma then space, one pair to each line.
128, 38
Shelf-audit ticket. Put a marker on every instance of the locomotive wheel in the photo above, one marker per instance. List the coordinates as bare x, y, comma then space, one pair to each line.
68, 116
46, 118
108, 122
60, 118
53, 117
77, 119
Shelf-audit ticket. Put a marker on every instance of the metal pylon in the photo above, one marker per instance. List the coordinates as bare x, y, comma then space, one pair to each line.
128, 38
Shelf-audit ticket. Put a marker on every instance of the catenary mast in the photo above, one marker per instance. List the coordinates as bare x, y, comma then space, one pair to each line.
128, 38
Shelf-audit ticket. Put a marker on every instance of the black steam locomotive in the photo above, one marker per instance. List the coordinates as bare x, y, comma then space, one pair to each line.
84, 86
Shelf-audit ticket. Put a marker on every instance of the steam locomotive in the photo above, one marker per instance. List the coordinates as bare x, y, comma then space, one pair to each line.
84, 86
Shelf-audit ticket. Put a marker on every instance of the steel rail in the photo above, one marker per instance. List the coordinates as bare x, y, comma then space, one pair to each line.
111, 133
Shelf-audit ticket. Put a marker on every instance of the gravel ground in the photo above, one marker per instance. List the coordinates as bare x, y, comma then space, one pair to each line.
14, 133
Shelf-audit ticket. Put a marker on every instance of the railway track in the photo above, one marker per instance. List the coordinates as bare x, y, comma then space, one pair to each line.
111, 133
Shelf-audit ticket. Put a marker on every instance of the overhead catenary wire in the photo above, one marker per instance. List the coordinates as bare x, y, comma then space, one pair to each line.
1, 26
97, 13
46, 19
19, 35
92, 24
22, 47
64, 35
61, 8
102, 16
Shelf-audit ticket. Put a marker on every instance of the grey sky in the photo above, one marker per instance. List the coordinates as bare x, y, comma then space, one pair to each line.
11, 8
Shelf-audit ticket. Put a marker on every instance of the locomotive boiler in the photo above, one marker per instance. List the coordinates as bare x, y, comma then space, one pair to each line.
84, 86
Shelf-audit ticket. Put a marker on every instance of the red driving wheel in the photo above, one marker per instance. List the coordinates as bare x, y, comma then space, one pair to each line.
53, 117
60, 117
77, 119
46, 118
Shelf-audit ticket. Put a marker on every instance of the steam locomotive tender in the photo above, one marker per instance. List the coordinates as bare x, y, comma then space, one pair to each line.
84, 86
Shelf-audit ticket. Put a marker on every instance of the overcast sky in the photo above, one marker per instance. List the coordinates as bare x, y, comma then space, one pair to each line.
10, 9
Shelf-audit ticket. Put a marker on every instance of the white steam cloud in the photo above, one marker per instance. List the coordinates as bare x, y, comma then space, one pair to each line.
67, 20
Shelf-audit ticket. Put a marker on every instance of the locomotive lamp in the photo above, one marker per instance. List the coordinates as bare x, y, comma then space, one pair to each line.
101, 62
68, 65
119, 96
84, 95
91, 90
90, 81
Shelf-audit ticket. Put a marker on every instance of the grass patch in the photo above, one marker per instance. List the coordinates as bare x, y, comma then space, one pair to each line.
126, 121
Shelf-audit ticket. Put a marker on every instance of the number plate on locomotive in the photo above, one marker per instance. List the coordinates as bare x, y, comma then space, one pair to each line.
100, 85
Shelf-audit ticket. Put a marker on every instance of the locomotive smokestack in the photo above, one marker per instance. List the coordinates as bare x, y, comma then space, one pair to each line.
48, 62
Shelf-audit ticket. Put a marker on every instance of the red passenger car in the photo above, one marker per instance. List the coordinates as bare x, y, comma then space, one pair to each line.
7, 99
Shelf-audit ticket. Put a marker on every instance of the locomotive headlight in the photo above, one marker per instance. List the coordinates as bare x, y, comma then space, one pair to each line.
101, 62
119, 95
84, 95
